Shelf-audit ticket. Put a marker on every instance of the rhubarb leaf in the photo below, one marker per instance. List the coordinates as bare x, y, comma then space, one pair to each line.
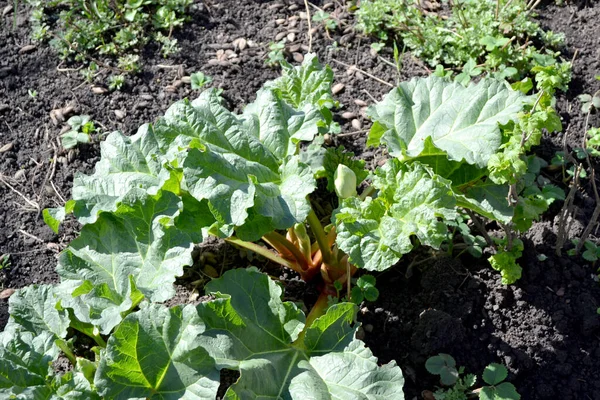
127, 163
280, 127
461, 122
131, 253
375, 233
156, 353
250, 329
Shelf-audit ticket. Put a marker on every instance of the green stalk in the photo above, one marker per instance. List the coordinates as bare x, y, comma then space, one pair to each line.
320, 235
318, 310
263, 252
66, 350
274, 237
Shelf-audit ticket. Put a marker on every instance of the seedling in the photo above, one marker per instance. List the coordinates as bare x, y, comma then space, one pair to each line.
494, 375
116, 82
591, 253
275, 55
326, 19
81, 128
199, 80
461, 387
32, 93
4, 261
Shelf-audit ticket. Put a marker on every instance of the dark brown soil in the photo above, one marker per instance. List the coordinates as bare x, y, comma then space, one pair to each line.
545, 328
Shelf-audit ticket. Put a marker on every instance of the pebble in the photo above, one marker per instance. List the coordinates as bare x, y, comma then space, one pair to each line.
275, 6
27, 49
280, 21
119, 114
240, 43
99, 90
186, 79
141, 105
280, 36
20, 175
356, 124
337, 88
298, 57
348, 115
71, 155
360, 103
368, 328
7, 10
146, 97
7, 147
291, 36
293, 7
6, 293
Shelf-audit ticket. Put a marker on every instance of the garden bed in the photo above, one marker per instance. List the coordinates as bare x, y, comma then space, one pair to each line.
545, 328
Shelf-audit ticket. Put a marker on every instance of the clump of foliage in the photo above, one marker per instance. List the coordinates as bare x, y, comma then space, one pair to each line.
81, 129
499, 37
82, 30
460, 387
202, 170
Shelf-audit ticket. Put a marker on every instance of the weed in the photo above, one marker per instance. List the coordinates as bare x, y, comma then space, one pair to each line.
116, 82
199, 80
275, 55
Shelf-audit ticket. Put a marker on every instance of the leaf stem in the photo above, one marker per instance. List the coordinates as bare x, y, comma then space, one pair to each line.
318, 310
275, 239
263, 252
320, 236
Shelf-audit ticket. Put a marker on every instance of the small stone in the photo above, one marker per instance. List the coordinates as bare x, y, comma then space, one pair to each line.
280, 21
20, 175
240, 43
146, 97
186, 79
291, 36
71, 155
337, 88
7, 147
360, 103
368, 328
99, 90
294, 48
560, 292
356, 124
298, 57
280, 36
27, 49
141, 105
119, 114
275, 6
6, 293
293, 7
7, 10
348, 115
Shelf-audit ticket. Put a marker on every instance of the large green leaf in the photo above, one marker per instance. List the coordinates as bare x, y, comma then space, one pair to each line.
127, 163
126, 255
156, 353
307, 84
375, 233
279, 126
227, 164
249, 328
168, 354
33, 309
460, 123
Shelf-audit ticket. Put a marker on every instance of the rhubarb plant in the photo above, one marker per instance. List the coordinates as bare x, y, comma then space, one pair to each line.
251, 179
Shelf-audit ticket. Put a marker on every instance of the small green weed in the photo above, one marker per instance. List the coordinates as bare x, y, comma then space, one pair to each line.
275, 55
495, 36
80, 30
461, 387
81, 128
199, 80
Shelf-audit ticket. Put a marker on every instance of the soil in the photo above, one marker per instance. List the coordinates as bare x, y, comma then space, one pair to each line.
544, 328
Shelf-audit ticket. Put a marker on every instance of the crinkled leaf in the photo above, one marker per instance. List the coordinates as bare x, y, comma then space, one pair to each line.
307, 84
487, 199
375, 233
280, 127
462, 122
225, 162
132, 252
249, 328
127, 163
25, 363
33, 309
156, 353
506, 263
